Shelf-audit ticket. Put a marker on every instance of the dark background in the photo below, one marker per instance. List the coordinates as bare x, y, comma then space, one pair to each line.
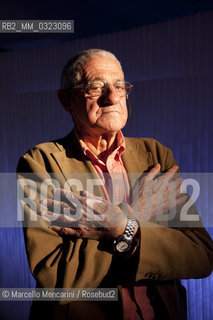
92, 17
165, 48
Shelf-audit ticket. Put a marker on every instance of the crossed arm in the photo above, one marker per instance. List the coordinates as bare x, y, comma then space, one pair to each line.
99, 219
68, 255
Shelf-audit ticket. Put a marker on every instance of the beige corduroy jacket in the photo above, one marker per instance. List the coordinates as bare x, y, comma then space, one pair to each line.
165, 254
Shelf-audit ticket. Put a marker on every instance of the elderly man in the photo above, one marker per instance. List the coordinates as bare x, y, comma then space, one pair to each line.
111, 237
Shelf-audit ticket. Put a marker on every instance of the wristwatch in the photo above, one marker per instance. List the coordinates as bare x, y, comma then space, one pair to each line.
123, 244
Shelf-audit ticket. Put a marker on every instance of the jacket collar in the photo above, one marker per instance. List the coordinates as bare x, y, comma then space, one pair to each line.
74, 165
136, 159
71, 160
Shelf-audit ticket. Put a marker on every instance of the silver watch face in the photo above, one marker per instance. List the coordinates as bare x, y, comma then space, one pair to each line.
122, 246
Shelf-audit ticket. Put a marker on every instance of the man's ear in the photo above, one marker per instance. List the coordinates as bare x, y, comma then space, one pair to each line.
64, 97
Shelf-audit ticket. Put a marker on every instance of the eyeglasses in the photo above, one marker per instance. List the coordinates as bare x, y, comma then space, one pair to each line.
97, 88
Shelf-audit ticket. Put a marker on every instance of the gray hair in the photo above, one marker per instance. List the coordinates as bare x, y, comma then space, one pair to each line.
74, 69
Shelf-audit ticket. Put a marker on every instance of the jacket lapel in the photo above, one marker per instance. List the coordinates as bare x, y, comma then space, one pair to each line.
74, 166
136, 159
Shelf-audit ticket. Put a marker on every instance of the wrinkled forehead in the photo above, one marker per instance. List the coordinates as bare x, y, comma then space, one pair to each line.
103, 68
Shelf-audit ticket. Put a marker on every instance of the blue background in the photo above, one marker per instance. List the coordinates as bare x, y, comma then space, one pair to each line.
171, 67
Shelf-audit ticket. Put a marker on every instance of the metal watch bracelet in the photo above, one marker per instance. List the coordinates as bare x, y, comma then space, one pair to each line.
124, 242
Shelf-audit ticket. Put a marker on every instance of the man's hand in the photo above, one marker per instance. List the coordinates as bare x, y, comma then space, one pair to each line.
84, 216
157, 194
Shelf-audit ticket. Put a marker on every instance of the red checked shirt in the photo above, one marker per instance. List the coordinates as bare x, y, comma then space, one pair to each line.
115, 186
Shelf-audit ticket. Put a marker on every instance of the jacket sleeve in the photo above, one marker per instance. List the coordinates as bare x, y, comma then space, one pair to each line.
55, 261
180, 252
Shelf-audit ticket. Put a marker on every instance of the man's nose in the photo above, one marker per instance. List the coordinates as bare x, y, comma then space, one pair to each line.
111, 96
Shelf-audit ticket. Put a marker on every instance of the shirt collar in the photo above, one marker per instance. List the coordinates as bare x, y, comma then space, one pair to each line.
116, 153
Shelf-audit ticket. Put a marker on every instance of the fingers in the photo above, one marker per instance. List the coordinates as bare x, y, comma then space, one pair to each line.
149, 176
154, 171
64, 220
58, 206
73, 202
85, 193
171, 173
173, 185
73, 197
70, 205
182, 199
66, 195
168, 176
156, 168
80, 232
63, 231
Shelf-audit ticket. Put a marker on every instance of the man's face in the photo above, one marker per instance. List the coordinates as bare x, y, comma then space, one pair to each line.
104, 114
